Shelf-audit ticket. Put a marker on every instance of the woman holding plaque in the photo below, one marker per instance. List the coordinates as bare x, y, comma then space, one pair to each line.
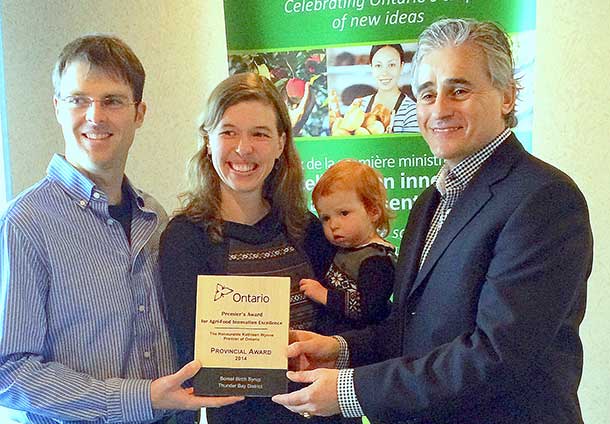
244, 214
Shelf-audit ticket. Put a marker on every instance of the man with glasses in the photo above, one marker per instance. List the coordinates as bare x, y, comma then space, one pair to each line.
83, 334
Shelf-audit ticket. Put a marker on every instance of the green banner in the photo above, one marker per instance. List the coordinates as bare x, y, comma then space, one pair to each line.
254, 25
319, 54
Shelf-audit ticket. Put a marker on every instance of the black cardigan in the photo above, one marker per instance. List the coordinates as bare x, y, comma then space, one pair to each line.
187, 251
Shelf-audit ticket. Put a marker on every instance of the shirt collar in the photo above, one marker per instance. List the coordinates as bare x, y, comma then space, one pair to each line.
458, 177
79, 187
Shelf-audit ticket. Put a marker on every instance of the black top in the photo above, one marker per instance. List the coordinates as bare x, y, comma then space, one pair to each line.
187, 251
122, 211
359, 282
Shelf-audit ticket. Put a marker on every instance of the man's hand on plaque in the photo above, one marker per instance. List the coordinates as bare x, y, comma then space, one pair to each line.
319, 398
308, 351
167, 392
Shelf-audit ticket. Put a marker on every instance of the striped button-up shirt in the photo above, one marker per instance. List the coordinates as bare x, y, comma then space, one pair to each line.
82, 327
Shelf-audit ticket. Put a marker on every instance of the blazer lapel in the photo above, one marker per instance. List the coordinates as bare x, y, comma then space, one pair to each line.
413, 241
473, 199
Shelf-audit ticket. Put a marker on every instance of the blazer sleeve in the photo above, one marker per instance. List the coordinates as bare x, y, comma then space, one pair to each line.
376, 342
530, 304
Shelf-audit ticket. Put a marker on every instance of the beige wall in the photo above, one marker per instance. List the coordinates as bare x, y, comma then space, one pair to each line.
182, 48
571, 131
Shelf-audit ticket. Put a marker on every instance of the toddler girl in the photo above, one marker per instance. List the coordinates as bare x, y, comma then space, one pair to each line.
351, 203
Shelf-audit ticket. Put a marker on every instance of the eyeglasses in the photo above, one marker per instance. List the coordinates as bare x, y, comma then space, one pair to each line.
109, 102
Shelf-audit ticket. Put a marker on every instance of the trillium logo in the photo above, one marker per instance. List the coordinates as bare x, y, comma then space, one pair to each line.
221, 291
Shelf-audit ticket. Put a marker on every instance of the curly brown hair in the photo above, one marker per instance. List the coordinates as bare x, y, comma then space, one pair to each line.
349, 174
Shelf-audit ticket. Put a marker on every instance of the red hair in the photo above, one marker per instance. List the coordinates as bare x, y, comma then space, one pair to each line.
349, 174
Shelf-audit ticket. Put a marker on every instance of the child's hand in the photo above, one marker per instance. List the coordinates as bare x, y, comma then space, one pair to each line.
313, 290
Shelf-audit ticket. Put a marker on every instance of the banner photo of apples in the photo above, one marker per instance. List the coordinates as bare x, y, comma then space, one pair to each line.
301, 78
344, 70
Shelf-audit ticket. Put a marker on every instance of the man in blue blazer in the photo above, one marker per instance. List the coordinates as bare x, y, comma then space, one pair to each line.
491, 279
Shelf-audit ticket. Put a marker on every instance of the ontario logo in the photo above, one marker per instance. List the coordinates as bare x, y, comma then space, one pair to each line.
223, 291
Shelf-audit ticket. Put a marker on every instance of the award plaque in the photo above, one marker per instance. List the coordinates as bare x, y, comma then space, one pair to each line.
241, 335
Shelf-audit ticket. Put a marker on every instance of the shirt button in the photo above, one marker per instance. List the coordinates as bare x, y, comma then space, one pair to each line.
83, 203
96, 195
141, 308
413, 313
147, 354
110, 221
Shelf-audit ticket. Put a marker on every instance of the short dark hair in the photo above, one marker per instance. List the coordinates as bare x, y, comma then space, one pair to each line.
103, 52
396, 47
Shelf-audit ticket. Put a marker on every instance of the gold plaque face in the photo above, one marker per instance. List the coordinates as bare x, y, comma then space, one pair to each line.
241, 335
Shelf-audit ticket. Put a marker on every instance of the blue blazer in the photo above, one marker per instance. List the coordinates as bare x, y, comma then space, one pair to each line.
487, 330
